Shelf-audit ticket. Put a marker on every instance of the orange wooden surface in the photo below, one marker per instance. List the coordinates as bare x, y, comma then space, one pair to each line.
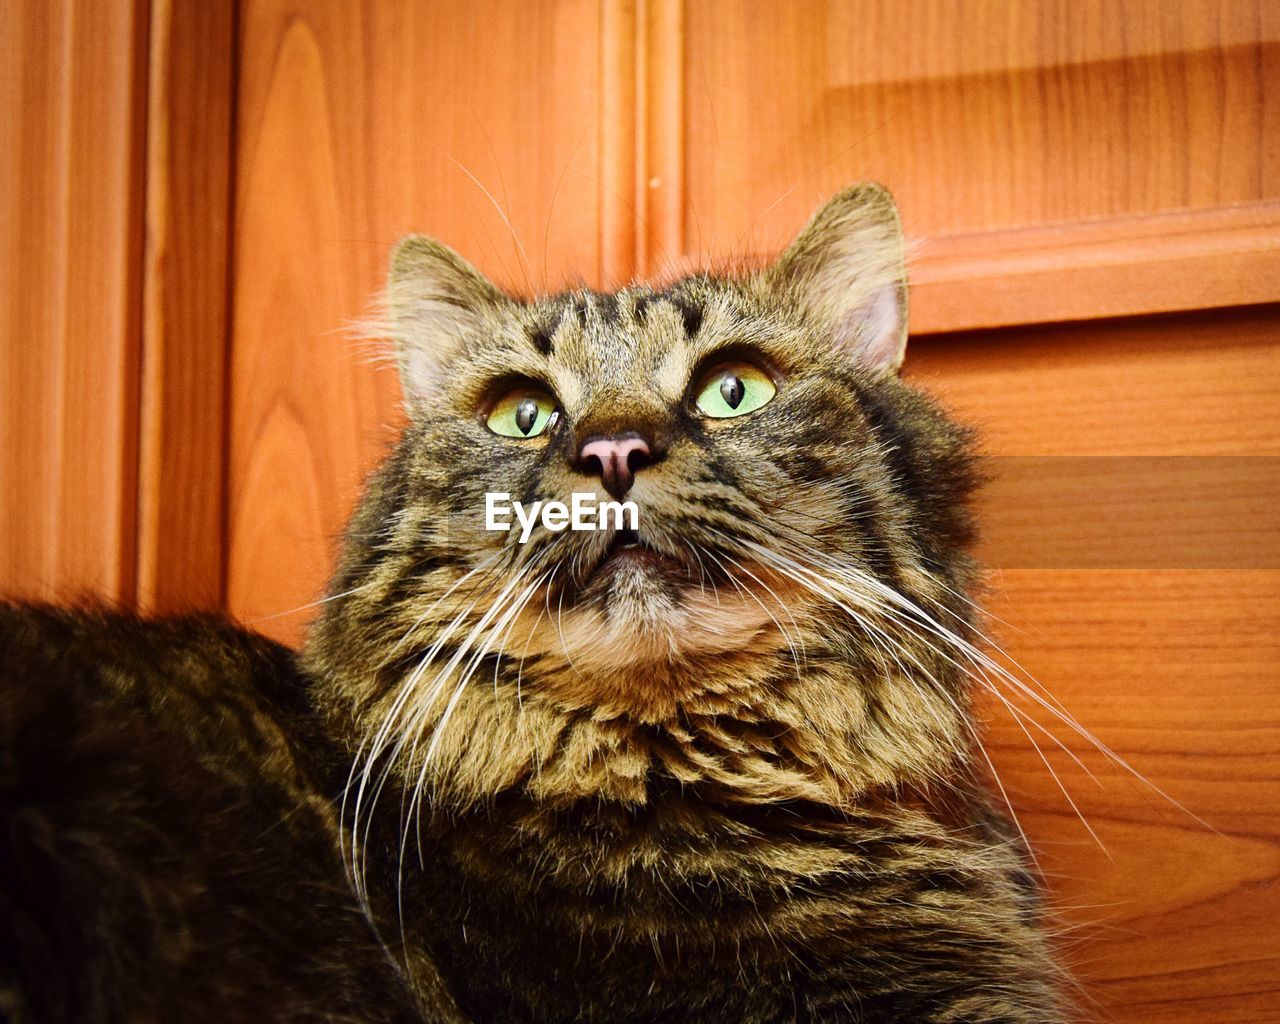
1150, 263
982, 116
72, 102
1175, 670
185, 302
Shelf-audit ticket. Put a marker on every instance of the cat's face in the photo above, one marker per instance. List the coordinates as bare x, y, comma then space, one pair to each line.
756, 424
623, 397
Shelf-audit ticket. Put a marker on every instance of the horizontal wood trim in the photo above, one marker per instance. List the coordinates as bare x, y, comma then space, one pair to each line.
1159, 263
1154, 263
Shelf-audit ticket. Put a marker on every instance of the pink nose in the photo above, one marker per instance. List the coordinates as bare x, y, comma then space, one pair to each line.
616, 460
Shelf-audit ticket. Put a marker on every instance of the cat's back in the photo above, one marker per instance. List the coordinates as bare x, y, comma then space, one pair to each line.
168, 843
93, 677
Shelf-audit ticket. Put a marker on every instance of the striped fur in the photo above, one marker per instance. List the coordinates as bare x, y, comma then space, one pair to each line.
744, 788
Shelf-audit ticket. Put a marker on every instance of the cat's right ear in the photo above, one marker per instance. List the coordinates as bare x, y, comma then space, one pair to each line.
847, 270
437, 301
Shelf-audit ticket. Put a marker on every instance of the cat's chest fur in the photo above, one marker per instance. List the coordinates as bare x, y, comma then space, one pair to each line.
677, 912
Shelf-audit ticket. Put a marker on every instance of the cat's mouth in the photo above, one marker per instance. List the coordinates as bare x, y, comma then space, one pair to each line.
630, 563
627, 551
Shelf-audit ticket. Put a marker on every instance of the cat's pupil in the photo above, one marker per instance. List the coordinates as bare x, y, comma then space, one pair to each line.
526, 415
732, 389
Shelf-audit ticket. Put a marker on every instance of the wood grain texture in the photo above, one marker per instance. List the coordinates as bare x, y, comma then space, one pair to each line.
181, 485
1202, 384
660, 178
621, 126
1154, 263
358, 123
72, 104
984, 116
1173, 670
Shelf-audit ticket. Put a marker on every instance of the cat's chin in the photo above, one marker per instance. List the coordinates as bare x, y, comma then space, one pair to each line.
639, 608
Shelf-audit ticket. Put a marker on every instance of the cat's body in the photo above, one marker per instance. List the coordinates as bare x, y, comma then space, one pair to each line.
719, 768
170, 849
781, 914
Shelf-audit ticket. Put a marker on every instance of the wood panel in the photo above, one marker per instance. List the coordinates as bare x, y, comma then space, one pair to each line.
660, 126
984, 116
1169, 919
621, 124
184, 383
72, 104
479, 123
1175, 670
1202, 384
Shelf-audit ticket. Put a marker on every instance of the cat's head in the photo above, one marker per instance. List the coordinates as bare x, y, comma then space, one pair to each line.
798, 513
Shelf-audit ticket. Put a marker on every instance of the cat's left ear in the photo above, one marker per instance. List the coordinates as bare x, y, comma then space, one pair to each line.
437, 301
847, 268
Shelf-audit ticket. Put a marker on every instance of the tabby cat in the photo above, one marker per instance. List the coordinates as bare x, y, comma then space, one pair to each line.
720, 767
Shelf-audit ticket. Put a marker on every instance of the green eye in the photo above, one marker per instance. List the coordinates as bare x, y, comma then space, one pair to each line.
522, 412
734, 389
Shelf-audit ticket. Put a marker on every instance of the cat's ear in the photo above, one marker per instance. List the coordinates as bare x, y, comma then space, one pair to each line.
847, 267
435, 300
